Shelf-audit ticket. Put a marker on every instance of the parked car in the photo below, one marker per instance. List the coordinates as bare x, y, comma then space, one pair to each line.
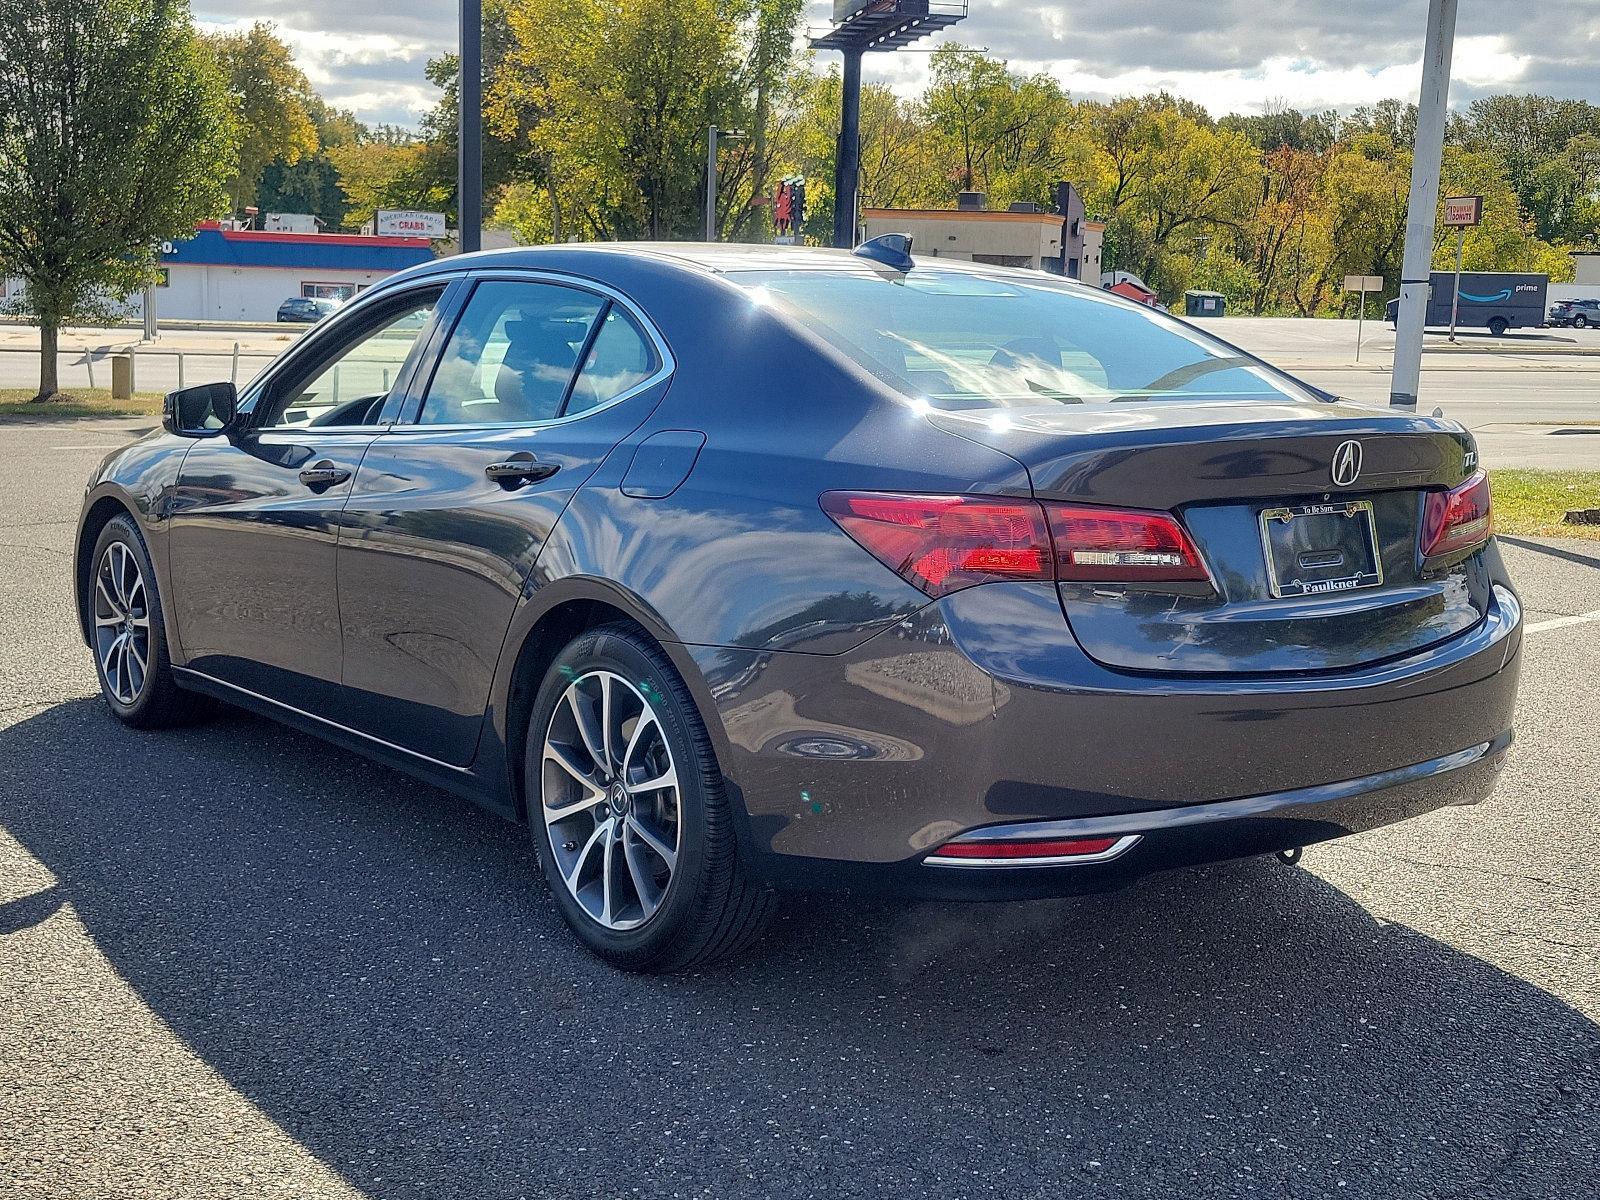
1578, 313
306, 309
731, 570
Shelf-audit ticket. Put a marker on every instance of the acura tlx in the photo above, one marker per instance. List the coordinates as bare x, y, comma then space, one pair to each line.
734, 570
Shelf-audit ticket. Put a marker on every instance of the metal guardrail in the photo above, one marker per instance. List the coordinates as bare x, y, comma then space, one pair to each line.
88, 358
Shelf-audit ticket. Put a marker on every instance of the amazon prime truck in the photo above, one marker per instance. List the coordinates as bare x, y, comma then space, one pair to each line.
1492, 300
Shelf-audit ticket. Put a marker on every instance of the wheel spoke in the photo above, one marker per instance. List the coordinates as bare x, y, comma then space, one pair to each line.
605, 723
116, 665
105, 594
119, 572
644, 884
114, 619
655, 841
608, 882
647, 720
667, 779
590, 743
572, 876
561, 755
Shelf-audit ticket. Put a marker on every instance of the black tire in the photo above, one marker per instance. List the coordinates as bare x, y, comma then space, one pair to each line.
1497, 326
711, 908
157, 702
1581, 321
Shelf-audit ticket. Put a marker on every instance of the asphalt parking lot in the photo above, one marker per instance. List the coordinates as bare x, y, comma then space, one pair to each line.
235, 961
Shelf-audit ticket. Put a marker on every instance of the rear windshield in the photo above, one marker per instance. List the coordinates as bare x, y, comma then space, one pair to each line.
966, 341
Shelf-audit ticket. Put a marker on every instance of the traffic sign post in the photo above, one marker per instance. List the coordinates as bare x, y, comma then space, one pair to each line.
1362, 284
1460, 213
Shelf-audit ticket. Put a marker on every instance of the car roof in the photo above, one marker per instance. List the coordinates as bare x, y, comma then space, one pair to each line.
709, 257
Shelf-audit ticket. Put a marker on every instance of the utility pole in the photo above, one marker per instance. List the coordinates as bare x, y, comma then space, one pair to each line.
1426, 157
469, 133
713, 134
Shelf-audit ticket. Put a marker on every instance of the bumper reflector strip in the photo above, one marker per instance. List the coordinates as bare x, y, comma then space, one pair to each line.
1030, 852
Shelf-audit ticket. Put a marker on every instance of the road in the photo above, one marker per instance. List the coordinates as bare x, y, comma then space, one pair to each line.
1536, 407
235, 961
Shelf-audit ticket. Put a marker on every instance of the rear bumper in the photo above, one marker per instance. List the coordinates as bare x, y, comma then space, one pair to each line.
982, 714
1181, 837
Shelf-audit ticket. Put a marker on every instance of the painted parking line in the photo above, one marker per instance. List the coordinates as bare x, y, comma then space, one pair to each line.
1562, 622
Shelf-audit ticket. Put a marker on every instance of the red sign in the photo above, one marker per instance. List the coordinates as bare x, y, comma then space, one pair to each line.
1463, 211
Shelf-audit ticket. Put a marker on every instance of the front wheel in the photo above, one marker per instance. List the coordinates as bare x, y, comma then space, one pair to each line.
128, 635
1581, 321
628, 813
1497, 326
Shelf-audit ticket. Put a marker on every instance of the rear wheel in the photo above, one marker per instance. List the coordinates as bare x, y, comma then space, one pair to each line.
128, 635
627, 810
1581, 321
1497, 326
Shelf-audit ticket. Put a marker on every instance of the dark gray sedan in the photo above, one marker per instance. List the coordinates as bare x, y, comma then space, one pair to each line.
732, 570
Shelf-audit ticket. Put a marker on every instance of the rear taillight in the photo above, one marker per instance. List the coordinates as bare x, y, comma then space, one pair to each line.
941, 544
1458, 519
1122, 546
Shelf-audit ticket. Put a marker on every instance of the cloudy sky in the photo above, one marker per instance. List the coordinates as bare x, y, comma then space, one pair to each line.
1230, 55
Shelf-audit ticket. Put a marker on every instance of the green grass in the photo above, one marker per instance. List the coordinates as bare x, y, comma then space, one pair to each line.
1532, 502
17, 403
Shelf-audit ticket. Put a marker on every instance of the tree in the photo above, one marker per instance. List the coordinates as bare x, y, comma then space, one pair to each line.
385, 172
626, 90
311, 185
114, 136
272, 102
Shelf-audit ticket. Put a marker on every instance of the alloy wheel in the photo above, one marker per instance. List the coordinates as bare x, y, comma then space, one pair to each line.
610, 799
121, 623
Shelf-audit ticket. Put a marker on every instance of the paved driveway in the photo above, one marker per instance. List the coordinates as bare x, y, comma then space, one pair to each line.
235, 961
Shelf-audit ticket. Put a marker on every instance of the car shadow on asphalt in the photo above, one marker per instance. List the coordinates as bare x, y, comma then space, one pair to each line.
374, 964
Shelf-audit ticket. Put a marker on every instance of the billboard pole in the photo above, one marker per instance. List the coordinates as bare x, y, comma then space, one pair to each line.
1426, 155
860, 26
847, 163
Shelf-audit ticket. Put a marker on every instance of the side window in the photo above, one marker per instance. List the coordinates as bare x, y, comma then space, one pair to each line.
620, 357
347, 384
512, 355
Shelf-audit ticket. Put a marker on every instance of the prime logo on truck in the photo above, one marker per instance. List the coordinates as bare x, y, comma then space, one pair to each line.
1492, 300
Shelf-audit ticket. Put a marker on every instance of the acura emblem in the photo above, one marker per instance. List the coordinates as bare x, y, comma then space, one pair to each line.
1347, 463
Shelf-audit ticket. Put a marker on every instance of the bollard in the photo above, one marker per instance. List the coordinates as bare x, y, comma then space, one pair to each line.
88, 361
122, 377
234, 378
180, 370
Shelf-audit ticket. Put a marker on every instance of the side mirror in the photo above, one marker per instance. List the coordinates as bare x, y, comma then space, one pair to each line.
200, 411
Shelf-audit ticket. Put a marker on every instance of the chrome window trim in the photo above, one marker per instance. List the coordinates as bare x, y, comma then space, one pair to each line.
668, 364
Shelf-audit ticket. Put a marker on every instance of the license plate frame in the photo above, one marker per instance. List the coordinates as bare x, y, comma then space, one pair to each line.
1295, 525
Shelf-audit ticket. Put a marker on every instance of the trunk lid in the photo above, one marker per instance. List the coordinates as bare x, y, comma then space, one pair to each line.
1226, 467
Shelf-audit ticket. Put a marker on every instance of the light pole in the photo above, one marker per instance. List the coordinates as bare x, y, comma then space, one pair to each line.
712, 135
469, 131
1426, 156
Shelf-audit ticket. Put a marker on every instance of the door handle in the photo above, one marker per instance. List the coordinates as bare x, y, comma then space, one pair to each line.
519, 469
323, 474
